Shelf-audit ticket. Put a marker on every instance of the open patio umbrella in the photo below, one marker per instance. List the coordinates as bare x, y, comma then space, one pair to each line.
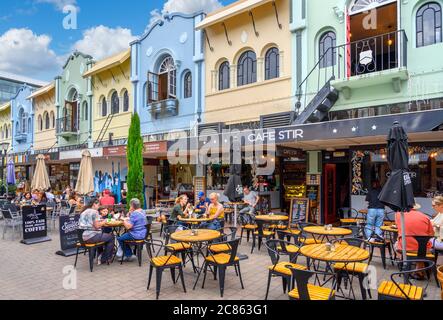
10, 173
40, 181
398, 193
85, 180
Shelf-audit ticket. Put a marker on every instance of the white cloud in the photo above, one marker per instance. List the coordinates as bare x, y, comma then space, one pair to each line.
26, 53
184, 6
101, 42
59, 4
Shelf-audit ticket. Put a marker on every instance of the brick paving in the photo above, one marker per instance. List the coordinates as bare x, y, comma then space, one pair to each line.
36, 272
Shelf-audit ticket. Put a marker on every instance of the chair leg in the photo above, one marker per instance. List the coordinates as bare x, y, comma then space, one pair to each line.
248, 235
76, 257
361, 277
260, 239
123, 253
205, 271
390, 254
240, 276
180, 270
158, 280
215, 272
383, 256
253, 243
151, 269
221, 279
139, 254
173, 275
269, 285
285, 283
91, 258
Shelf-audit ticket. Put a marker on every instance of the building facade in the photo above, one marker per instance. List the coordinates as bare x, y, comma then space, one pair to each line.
22, 119
5, 124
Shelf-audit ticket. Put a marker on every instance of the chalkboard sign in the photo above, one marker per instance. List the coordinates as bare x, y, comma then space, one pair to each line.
299, 210
68, 235
35, 228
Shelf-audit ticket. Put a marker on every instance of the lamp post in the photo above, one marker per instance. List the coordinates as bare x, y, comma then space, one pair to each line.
4, 152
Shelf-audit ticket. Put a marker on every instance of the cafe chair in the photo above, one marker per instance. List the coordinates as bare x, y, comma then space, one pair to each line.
220, 245
138, 244
423, 254
347, 271
440, 279
11, 221
178, 248
279, 268
305, 239
260, 234
303, 290
290, 233
161, 263
221, 262
286, 247
246, 226
88, 248
382, 246
349, 216
405, 290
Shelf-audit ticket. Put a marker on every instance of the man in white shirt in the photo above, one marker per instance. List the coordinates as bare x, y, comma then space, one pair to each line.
251, 199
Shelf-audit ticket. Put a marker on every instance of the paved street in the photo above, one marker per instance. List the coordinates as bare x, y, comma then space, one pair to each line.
36, 272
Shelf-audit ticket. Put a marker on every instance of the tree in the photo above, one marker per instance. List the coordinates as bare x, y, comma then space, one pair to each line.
135, 161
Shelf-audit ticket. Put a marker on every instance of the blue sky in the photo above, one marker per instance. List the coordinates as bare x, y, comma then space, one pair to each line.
35, 28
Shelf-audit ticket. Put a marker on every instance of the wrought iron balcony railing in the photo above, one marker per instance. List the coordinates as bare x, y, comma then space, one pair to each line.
67, 125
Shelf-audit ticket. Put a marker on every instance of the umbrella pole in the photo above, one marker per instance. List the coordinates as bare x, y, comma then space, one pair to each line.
403, 236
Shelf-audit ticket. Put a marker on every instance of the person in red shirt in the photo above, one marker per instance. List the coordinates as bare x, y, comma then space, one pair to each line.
107, 199
416, 224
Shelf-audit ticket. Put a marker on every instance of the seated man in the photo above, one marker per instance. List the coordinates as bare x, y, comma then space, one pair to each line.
136, 226
202, 203
251, 199
107, 199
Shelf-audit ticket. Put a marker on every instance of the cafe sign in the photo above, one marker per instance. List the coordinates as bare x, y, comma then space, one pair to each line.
155, 148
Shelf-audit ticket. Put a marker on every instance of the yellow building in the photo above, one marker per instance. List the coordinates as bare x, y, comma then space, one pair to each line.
5, 124
43, 101
111, 85
248, 61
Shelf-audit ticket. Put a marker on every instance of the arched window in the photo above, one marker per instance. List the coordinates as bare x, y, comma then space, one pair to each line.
85, 111
126, 101
187, 85
29, 125
115, 103
247, 68
224, 76
327, 51
428, 22
53, 119
40, 123
47, 121
22, 119
365, 5
168, 69
8, 131
104, 106
272, 64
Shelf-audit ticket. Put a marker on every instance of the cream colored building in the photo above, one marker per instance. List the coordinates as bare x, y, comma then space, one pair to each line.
5, 124
112, 103
43, 101
248, 61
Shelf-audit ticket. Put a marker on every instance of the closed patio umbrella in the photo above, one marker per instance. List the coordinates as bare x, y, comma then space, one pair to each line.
398, 193
85, 180
40, 181
10, 173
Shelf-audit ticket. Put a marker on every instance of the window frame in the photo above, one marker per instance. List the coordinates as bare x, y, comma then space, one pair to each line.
187, 85
272, 52
420, 23
324, 61
247, 68
224, 67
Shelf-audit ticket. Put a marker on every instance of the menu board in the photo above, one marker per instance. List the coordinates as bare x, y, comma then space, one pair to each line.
199, 186
68, 234
299, 211
35, 229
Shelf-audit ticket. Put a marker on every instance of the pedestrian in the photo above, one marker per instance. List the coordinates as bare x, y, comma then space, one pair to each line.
376, 213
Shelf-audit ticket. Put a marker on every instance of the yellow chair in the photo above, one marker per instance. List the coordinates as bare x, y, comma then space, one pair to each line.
303, 290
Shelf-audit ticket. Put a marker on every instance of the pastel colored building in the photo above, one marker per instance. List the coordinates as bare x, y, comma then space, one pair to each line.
248, 57
43, 101
22, 120
112, 99
73, 102
167, 72
5, 124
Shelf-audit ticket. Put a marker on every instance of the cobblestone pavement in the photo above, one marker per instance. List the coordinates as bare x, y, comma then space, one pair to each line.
36, 272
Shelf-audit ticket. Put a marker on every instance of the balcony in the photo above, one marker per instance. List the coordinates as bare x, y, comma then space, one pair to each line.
21, 136
67, 127
164, 109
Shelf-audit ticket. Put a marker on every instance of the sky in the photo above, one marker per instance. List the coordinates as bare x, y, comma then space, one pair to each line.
37, 36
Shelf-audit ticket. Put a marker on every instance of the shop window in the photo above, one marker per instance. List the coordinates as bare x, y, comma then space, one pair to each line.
247, 68
272, 64
327, 51
187, 85
428, 24
115, 103
224, 76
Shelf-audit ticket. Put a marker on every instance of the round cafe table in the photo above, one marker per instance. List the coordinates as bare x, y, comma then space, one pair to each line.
194, 222
272, 218
324, 234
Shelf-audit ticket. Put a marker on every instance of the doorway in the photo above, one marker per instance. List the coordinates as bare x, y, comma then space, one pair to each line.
336, 190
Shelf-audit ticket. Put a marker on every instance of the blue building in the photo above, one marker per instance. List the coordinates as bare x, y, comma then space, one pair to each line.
22, 118
167, 72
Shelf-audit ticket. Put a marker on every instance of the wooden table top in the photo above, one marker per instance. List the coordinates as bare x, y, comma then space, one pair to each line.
195, 220
320, 230
114, 224
363, 211
236, 203
343, 253
389, 229
272, 218
202, 236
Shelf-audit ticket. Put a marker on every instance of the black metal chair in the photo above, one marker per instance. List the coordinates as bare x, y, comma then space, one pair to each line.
89, 248
219, 245
260, 234
178, 248
161, 263
286, 247
348, 217
221, 262
303, 290
407, 290
138, 244
279, 268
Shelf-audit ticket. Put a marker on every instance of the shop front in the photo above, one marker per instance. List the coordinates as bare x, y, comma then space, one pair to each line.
58, 172
23, 171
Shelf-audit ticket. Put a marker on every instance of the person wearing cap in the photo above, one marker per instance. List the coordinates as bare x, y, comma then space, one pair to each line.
202, 203
107, 199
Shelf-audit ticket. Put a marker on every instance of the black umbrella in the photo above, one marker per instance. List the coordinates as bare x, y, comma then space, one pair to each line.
398, 193
234, 187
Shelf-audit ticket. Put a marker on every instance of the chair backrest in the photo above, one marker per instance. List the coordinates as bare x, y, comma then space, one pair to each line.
271, 246
234, 248
260, 227
80, 236
6, 214
72, 210
406, 272
302, 278
230, 235
422, 245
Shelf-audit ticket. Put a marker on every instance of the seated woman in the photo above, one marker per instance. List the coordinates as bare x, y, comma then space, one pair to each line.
437, 223
91, 223
216, 212
136, 226
181, 209
27, 199
72, 200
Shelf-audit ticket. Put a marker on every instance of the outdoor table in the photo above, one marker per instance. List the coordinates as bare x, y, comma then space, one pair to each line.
326, 234
363, 211
194, 221
272, 218
116, 226
235, 205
